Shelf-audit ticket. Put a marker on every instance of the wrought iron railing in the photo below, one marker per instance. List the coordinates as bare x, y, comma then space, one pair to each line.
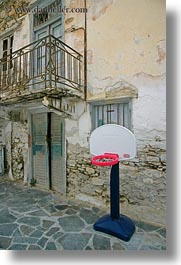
45, 64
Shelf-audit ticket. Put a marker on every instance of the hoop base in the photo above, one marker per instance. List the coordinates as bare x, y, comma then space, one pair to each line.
123, 227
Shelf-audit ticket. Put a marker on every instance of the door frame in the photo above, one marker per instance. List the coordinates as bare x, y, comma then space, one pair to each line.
48, 28
41, 110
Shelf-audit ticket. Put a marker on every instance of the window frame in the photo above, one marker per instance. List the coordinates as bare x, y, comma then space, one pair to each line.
51, 16
7, 52
117, 102
46, 24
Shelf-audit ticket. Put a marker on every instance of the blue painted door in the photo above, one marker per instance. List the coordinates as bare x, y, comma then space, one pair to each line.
48, 147
57, 154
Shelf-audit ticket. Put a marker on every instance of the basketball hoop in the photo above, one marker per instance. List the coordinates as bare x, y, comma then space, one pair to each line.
105, 160
116, 143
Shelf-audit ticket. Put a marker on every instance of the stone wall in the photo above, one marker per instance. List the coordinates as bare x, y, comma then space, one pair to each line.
16, 149
142, 180
84, 179
19, 149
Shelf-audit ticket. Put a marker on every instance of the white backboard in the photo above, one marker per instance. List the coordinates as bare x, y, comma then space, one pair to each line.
111, 138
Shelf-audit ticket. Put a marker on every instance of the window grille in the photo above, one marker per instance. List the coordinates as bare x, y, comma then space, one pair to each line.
114, 113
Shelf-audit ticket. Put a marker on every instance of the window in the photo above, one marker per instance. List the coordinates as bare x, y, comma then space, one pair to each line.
115, 113
45, 13
40, 18
7, 51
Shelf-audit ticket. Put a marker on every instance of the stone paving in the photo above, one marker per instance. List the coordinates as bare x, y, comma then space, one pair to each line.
31, 219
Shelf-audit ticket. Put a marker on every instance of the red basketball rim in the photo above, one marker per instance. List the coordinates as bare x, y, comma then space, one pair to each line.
95, 160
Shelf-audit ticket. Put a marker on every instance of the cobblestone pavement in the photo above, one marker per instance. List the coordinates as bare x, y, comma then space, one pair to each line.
31, 219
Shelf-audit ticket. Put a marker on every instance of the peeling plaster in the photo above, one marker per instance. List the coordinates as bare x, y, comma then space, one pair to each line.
148, 76
75, 38
73, 28
98, 8
89, 57
69, 20
161, 55
121, 89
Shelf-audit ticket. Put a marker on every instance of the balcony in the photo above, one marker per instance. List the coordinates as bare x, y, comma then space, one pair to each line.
45, 67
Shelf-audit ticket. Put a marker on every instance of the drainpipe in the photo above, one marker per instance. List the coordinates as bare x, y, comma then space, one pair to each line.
85, 52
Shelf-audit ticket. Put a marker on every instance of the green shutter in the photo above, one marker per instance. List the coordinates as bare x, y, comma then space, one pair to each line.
40, 150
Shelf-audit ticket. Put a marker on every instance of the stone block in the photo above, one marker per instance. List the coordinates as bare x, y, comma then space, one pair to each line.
71, 163
90, 170
152, 158
135, 160
98, 192
148, 181
97, 181
163, 158
20, 166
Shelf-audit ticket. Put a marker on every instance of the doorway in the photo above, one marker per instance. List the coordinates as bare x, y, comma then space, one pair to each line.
47, 56
48, 151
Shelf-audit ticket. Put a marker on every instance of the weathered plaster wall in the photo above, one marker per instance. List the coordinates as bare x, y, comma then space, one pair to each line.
8, 16
126, 42
14, 22
22, 34
74, 24
124, 39
126, 58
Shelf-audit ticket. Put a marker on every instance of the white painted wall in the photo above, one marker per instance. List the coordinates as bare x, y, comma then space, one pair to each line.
78, 126
149, 112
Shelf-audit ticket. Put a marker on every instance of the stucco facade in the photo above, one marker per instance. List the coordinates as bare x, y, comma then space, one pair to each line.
124, 59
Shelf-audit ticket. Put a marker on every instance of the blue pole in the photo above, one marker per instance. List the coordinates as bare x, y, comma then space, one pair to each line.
114, 192
115, 224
